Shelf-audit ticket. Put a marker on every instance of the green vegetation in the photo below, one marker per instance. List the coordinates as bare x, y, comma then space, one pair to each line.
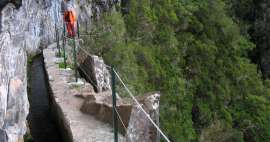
196, 54
28, 138
57, 54
60, 54
253, 18
62, 65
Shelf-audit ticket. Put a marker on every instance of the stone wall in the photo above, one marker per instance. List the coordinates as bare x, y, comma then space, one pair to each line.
100, 106
138, 126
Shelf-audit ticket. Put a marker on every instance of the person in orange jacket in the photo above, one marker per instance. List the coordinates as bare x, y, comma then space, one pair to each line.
69, 18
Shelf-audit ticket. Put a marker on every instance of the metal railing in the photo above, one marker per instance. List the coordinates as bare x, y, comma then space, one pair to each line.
115, 76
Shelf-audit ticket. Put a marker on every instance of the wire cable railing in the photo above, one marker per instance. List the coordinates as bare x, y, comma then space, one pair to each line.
140, 106
121, 120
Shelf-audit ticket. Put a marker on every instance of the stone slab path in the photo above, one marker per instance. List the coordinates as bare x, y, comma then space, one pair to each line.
83, 127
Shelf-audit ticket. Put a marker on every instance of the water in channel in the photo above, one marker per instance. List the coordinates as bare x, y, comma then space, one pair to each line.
42, 125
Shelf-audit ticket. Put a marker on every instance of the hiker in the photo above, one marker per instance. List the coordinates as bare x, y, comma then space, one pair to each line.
69, 15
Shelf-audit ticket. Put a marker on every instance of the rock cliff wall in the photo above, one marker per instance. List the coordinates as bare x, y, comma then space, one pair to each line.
25, 30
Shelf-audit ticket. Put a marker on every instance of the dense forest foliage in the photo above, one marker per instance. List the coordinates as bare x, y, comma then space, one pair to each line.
204, 56
253, 17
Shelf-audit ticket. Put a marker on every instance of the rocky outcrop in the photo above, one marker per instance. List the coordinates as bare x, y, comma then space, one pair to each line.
23, 31
13, 98
140, 129
138, 126
96, 71
100, 106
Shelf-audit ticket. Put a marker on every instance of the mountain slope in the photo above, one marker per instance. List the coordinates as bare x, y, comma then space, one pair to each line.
197, 56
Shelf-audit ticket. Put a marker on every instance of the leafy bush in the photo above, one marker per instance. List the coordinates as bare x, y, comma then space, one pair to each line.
194, 53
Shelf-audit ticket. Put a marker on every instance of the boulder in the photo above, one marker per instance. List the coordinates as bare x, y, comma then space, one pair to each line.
140, 129
94, 70
91, 107
101, 108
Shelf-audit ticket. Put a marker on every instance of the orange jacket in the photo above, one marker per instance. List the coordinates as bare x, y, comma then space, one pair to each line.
70, 17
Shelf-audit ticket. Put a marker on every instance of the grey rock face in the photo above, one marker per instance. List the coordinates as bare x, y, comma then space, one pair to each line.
96, 71
100, 106
25, 30
3, 136
3, 3
13, 98
140, 129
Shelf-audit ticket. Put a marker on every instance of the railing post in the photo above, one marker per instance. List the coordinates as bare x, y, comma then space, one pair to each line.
57, 40
78, 29
86, 26
64, 43
115, 123
55, 29
75, 59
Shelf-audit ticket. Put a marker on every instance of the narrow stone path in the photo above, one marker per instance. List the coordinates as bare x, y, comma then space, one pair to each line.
83, 127
42, 126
